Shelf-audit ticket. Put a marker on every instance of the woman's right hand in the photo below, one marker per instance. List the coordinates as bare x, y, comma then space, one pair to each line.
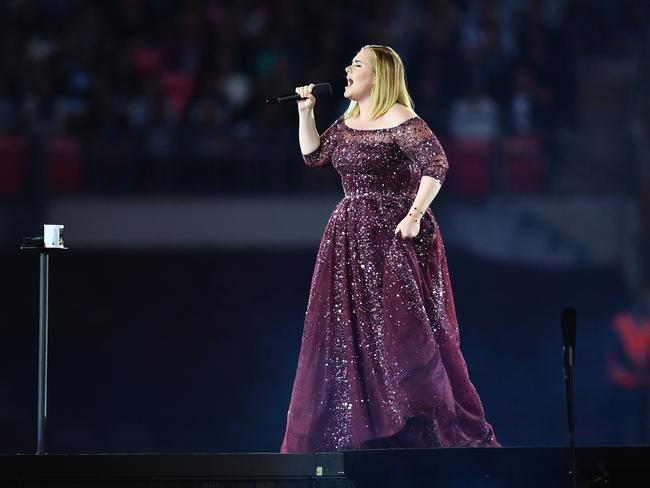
310, 100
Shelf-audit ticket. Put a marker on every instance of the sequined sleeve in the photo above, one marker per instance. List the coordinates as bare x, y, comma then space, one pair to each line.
322, 155
421, 146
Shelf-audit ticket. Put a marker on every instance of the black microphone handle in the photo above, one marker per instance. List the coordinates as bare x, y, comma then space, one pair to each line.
568, 353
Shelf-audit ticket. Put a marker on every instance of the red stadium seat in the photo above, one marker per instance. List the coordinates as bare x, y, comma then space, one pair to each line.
63, 164
522, 164
469, 166
146, 61
12, 164
178, 89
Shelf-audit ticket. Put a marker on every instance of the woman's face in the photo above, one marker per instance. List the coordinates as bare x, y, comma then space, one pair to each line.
360, 76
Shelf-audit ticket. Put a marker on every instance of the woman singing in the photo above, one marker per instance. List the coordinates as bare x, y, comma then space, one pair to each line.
380, 364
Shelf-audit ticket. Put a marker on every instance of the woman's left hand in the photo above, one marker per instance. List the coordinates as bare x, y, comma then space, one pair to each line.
408, 228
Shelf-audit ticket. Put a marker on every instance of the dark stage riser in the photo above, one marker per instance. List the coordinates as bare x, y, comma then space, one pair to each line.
624, 467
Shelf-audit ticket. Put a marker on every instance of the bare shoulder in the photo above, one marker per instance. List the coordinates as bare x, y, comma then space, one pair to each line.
398, 113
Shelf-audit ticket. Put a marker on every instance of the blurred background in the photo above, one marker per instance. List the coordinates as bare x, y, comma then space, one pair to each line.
193, 223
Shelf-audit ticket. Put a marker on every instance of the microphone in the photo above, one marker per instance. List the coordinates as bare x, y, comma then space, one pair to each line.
319, 90
568, 319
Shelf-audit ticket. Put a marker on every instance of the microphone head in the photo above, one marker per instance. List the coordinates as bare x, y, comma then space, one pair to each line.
568, 320
321, 89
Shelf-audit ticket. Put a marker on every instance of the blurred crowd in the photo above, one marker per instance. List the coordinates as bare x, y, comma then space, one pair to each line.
138, 96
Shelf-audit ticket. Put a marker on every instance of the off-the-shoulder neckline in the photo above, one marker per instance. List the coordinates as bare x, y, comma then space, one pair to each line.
382, 128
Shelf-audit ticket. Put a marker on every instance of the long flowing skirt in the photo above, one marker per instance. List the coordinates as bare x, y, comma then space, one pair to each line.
380, 362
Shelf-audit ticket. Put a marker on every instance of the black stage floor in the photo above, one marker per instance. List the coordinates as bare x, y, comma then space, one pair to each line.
625, 467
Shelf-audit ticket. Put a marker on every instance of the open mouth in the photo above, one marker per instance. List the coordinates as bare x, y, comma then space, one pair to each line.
349, 82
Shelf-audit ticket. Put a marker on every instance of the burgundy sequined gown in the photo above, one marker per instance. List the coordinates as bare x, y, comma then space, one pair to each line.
380, 364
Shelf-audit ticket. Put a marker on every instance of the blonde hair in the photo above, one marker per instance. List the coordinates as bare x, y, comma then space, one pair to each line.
390, 83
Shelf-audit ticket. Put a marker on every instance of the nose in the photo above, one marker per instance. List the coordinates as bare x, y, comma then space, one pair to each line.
348, 69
